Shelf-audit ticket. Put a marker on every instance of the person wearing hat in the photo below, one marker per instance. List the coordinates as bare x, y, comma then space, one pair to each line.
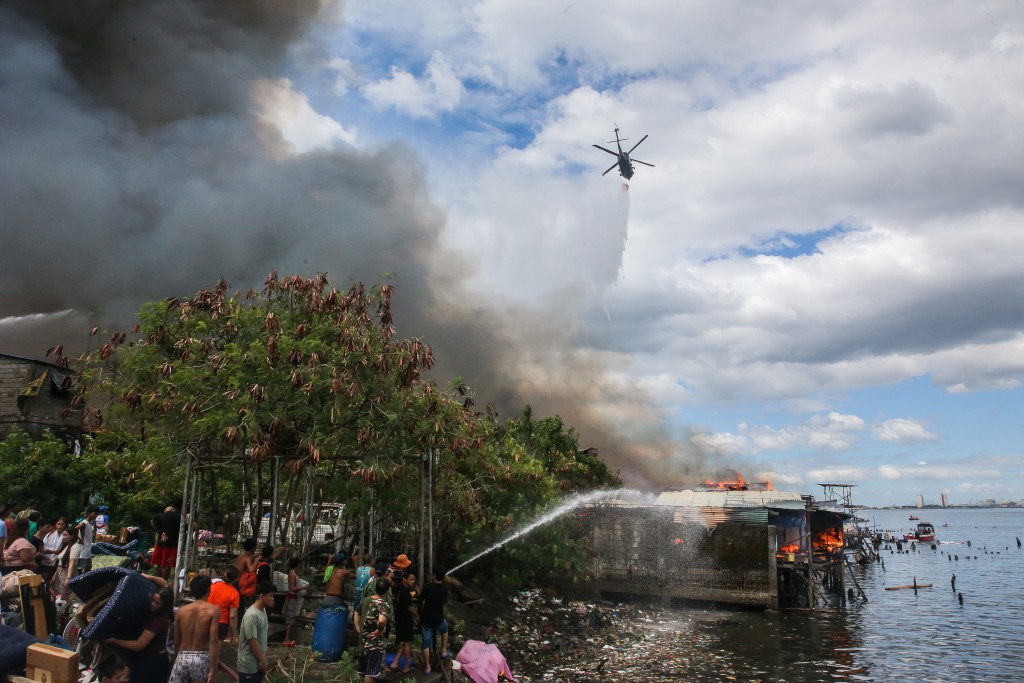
401, 563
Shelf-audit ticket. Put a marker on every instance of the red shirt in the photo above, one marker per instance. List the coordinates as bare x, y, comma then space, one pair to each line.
225, 596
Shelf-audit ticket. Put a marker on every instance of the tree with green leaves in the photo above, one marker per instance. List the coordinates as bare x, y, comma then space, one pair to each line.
298, 371
317, 379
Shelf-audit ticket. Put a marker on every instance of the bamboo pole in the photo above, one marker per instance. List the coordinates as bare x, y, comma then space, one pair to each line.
430, 509
181, 525
423, 512
272, 526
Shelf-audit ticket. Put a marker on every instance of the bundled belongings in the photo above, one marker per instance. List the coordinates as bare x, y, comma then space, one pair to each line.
14, 645
483, 663
117, 602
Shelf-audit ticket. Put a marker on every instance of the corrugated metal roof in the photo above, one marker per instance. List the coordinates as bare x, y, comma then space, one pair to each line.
732, 499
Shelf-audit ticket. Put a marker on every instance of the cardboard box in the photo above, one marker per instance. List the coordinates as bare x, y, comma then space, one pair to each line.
48, 664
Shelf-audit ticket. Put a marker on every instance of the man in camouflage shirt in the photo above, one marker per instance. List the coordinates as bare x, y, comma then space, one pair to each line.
376, 620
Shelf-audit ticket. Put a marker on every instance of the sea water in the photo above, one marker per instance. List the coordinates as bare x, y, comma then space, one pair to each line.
897, 635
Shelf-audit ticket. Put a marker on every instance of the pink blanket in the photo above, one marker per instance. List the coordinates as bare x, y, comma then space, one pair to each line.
483, 663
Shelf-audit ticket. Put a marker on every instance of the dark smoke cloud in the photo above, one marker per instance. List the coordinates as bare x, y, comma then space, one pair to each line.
134, 169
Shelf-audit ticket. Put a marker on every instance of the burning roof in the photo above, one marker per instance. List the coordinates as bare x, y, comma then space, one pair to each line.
728, 498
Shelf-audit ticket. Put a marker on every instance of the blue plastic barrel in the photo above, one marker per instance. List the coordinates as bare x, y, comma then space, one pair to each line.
329, 633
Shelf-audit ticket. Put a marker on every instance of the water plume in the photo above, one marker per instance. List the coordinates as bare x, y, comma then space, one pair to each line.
551, 515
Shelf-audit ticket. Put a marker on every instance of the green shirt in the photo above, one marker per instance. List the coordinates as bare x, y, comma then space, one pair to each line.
254, 625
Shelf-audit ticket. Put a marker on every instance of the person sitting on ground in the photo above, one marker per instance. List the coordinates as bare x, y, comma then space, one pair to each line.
195, 637
19, 553
373, 635
150, 648
252, 637
335, 589
293, 603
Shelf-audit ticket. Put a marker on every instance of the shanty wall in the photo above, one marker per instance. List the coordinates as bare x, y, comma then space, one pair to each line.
639, 550
33, 414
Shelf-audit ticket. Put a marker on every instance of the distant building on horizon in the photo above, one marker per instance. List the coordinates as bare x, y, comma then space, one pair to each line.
920, 501
945, 499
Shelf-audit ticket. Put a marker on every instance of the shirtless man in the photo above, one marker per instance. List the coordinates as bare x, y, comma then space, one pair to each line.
195, 637
336, 584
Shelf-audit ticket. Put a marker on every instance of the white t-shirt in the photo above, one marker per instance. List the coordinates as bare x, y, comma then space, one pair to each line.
87, 533
51, 541
75, 553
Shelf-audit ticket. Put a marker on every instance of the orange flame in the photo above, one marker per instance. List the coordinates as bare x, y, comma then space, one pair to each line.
829, 538
737, 484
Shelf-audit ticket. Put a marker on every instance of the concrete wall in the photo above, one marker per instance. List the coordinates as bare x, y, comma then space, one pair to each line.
38, 413
646, 551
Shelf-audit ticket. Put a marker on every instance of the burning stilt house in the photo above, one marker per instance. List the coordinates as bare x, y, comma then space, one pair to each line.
740, 544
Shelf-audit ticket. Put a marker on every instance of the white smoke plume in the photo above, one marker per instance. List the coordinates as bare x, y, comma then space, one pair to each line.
135, 167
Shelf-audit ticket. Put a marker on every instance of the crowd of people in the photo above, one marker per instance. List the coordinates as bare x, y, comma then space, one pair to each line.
180, 645
51, 546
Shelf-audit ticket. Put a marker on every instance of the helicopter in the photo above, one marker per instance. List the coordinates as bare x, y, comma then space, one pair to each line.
624, 162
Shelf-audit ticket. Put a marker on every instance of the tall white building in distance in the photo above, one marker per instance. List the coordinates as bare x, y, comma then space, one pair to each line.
920, 500
945, 499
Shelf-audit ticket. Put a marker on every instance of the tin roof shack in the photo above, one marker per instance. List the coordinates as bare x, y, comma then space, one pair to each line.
35, 396
713, 546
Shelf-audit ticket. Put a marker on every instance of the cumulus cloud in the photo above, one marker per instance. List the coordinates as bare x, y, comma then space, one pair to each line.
831, 432
289, 113
346, 76
439, 90
902, 431
839, 474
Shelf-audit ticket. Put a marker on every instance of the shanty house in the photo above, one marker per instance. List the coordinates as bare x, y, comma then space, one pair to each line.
759, 548
36, 396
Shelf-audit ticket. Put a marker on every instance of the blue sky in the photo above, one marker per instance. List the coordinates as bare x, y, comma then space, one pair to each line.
834, 393
819, 280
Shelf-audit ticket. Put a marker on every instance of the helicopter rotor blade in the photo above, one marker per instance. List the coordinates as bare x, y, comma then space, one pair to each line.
605, 149
610, 168
636, 145
637, 161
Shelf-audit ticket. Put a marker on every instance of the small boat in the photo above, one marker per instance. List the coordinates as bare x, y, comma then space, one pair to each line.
913, 518
925, 533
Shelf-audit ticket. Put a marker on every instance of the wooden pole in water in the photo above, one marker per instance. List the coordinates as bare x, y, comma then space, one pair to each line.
859, 589
810, 561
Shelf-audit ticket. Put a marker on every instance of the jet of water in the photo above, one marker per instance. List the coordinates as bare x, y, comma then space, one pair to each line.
568, 506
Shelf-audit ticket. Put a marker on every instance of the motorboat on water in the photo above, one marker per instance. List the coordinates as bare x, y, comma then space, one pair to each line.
913, 518
925, 533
